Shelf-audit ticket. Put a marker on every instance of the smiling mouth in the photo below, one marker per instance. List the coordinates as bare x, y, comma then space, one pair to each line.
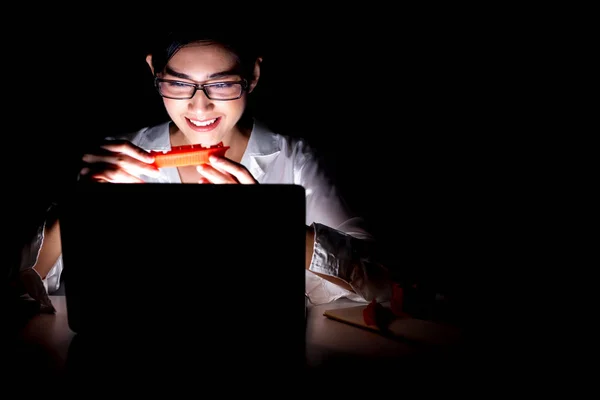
203, 126
207, 122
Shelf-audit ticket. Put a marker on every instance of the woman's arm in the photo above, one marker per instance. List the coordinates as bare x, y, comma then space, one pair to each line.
354, 261
50, 250
30, 268
310, 243
342, 249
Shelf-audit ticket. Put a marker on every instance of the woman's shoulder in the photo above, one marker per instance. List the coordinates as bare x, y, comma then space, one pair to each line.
153, 137
269, 140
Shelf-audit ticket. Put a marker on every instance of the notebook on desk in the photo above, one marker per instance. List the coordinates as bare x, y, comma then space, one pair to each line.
184, 260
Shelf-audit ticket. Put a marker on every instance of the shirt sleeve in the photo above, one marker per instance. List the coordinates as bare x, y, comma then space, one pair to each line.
343, 247
52, 280
31, 250
29, 256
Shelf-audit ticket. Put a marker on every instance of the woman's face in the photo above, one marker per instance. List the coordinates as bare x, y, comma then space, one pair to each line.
200, 119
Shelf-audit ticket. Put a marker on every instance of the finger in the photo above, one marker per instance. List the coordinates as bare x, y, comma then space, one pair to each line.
115, 179
240, 172
215, 176
108, 174
123, 161
126, 147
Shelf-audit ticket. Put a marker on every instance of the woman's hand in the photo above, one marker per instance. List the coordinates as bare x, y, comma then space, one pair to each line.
118, 161
223, 170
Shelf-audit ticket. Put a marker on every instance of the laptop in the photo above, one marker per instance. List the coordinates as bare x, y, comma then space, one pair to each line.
215, 266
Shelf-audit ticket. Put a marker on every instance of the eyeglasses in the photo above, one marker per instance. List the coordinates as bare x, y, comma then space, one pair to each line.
214, 91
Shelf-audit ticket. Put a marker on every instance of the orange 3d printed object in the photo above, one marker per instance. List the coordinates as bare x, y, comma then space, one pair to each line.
191, 154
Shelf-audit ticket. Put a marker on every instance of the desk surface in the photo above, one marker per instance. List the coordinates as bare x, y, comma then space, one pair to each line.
330, 345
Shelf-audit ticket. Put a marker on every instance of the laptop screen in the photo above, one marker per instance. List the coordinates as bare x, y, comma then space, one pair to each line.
135, 254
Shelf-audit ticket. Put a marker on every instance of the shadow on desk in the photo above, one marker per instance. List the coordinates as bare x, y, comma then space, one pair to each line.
17, 311
182, 361
440, 363
177, 368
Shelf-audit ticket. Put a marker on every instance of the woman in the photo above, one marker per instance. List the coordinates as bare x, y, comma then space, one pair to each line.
205, 82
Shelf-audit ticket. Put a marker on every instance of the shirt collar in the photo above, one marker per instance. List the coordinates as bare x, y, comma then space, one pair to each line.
263, 147
156, 138
262, 141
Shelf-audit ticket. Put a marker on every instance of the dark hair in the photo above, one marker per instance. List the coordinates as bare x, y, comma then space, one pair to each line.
246, 47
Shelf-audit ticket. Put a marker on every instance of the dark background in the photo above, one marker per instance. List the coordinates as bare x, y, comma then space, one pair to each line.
409, 119
466, 167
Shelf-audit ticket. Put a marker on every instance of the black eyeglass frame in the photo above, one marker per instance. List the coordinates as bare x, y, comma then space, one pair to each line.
198, 86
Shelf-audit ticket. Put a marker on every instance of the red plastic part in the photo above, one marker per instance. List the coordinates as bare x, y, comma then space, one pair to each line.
191, 154
372, 312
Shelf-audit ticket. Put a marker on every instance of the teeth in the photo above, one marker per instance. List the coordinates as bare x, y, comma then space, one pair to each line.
203, 123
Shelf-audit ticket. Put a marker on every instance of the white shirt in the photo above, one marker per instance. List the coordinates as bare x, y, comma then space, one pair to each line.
342, 244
